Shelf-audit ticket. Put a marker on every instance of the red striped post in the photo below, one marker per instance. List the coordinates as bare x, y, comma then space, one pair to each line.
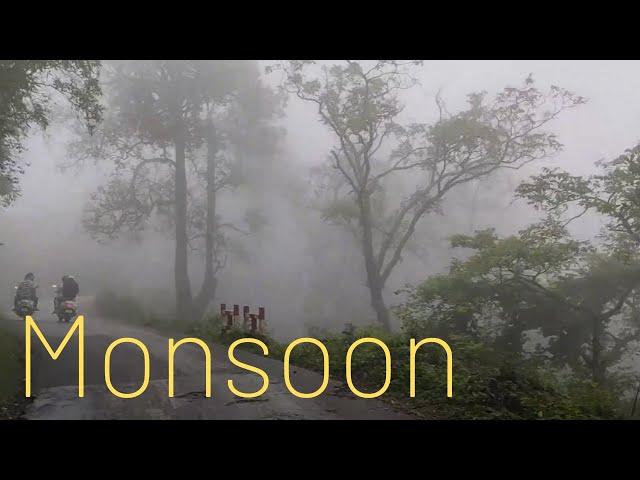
261, 318
223, 315
245, 314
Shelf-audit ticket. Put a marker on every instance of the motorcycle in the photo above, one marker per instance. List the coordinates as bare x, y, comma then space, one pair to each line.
25, 308
66, 310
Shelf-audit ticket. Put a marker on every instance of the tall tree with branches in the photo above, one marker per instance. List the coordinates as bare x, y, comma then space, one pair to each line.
359, 103
614, 194
161, 116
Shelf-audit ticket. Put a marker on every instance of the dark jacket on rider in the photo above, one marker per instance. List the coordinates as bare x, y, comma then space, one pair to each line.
26, 291
70, 289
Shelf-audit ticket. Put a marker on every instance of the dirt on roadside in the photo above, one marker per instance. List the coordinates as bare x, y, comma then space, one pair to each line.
15, 409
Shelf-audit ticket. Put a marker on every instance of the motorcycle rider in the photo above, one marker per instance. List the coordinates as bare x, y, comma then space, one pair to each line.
67, 292
26, 291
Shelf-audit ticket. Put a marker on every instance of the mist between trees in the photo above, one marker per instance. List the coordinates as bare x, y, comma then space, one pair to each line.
180, 190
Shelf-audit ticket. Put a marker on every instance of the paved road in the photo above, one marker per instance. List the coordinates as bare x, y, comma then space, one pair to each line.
56, 394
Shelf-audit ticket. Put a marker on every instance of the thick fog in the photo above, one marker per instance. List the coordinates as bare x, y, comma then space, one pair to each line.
301, 269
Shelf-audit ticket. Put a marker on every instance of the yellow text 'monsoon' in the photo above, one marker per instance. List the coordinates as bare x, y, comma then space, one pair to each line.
173, 346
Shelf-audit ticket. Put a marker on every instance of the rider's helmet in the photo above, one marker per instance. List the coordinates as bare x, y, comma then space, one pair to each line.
30, 276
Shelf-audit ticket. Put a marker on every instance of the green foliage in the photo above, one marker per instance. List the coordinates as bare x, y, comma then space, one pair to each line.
488, 383
614, 193
127, 308
539, 282
494, 384
340, 211
27, 89
607, 287
492, 293
11, 369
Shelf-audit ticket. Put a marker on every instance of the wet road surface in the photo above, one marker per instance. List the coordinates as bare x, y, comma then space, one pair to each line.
55, 383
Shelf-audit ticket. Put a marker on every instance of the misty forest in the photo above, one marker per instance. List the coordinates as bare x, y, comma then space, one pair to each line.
493, 204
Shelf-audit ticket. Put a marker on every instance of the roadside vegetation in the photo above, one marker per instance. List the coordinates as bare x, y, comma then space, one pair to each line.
11, 384
542, 325
488, 383
490, 380
143, 309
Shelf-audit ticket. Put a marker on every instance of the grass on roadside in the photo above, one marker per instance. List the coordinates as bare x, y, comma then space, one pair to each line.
488, 384
131, 309
11, 368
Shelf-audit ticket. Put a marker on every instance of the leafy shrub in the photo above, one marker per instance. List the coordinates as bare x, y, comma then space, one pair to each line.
11, 369
127, 308
487, 383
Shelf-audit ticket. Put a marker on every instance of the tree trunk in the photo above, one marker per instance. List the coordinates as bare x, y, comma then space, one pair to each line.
208, 291
374, 280
377, 302
182, 284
